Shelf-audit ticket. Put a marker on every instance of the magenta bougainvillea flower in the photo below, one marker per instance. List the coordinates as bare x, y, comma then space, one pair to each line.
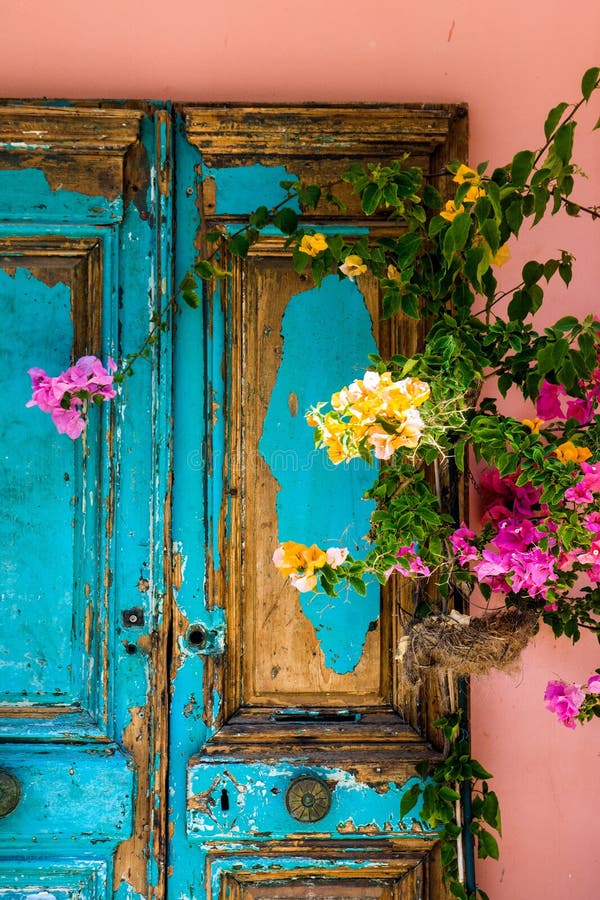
565, 700
66, 396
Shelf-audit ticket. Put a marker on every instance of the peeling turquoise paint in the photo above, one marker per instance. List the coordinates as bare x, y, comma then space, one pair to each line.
324, 331
27, 196
256, 808
73, 795
241, 189
71, 554
37, 483
58, 879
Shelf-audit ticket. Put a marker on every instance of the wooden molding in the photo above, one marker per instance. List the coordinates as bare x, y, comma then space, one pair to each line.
80, 130
233, 131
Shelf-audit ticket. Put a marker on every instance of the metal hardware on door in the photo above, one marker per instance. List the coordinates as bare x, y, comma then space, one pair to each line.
134, 617
205, 640
308, 799
10, 792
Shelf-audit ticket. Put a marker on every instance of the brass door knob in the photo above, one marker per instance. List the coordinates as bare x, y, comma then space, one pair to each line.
308, 799
10, 792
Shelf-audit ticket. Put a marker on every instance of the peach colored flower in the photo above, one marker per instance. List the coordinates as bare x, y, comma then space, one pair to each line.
336, 556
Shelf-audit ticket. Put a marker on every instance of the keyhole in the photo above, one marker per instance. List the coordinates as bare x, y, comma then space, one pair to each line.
224, 800
197, 636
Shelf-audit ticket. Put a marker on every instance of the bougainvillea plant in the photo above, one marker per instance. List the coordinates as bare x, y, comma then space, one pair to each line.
537, 545
66, 396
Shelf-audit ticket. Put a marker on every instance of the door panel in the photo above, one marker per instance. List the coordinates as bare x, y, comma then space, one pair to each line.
292, 686
170, 709
79, 267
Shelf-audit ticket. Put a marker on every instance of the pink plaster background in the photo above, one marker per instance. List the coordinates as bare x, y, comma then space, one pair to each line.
511, 62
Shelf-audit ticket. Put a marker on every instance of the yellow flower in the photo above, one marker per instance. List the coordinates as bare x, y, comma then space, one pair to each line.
313, 244
501, 257
570, 452
353, 266
393, 274
464, 173
534, 425
313, 558
450, 211
298, 562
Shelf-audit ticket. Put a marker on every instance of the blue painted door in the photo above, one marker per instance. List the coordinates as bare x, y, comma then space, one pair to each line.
84, 209
174, 718
293, 734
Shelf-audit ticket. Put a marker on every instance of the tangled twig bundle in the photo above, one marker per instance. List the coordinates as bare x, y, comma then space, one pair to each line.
466, 645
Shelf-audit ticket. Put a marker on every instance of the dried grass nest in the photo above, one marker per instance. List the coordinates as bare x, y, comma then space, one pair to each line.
466, 645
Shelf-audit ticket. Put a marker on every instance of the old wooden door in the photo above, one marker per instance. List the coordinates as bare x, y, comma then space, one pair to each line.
174, 717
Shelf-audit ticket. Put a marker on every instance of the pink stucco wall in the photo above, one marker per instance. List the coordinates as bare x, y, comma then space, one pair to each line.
511, 62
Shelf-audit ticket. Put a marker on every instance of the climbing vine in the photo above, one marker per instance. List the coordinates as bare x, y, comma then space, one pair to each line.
536, 549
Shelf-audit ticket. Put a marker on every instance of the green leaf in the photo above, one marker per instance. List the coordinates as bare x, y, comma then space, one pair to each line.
301, 261
409, 800
406, 249
457, 890
490, 811
371, 198
553, 118
460, 227
191, 298
432, 198
459, 455
487, 845
448, 246
309, 195
447, 793
438, 224
491, 233
514, 215
532, 272
213, 236
260, 217
204, 269
188, 282
286, 220
589, 82
358, 585
563, 141
410, 305
565, 271
521, 167
519, 307
550, 268
239, 244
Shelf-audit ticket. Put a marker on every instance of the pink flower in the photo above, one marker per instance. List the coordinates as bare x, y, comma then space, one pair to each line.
565, 700
548, 403
591, 475
414, 566
593, 684
592, 522
579, 494
592, 556
63, 396
516, 533
582, 410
